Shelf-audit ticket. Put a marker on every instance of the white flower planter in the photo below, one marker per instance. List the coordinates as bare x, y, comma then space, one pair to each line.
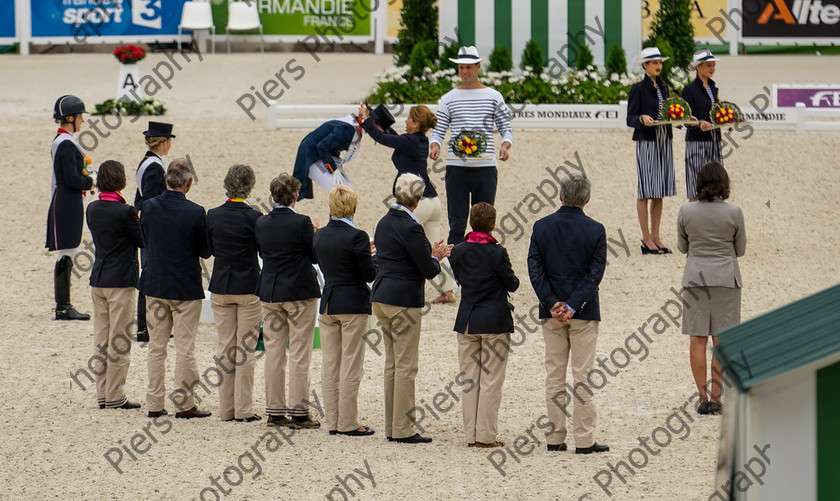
129, 80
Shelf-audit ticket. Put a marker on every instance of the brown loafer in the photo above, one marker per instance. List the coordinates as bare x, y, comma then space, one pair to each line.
483, 445
193, 413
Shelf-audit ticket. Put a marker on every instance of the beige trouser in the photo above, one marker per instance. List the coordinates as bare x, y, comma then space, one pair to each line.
237, 319
343, 352
430, 214
483, 360
113, 322
579, 337
180, 318
292, 322
401, 331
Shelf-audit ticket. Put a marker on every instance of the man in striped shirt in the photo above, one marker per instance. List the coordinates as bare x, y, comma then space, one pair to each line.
471, 108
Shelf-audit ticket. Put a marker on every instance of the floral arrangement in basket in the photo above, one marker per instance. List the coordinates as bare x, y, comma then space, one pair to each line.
469, 144
129, 54
674, 109
725, 112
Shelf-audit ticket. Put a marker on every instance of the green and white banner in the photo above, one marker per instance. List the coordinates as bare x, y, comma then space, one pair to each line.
330, 18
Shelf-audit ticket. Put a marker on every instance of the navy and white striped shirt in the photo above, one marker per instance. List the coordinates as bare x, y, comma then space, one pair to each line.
477, 110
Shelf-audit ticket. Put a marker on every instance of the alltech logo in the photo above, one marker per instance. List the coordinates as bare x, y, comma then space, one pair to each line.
802, 12
800, 19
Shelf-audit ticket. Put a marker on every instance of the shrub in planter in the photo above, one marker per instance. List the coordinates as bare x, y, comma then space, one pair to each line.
616, 60
532, 57
423, 56
450, 51
500, 60
585, 58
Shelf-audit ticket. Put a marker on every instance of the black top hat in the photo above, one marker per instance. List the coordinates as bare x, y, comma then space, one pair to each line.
159, 129
382, 117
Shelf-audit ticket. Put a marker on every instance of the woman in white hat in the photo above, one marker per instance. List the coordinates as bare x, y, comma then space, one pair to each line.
654, 156
701, 144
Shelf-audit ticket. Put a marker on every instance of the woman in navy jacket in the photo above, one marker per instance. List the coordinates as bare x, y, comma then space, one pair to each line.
654, 156
116, 235
484, 324
410, 153
701, 145
231, 237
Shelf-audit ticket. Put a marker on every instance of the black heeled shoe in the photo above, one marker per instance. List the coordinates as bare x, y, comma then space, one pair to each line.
664, 250
648, 250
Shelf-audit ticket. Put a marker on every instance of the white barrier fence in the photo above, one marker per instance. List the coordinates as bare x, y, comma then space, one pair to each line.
563, 116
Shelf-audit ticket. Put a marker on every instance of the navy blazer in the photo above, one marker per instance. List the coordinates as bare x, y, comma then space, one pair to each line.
285, 238
403, 261
176, 237
566, 262
231, 237
116, 235
697, 97
644, 101
66, 214
486, 277
323, 143
153, 181
344, 257
410, 152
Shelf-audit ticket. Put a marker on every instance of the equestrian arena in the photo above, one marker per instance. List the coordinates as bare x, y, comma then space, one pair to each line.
59, 445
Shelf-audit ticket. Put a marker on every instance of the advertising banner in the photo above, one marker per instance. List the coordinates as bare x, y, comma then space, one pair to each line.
814, 96
7, 19
702, 11
92, 18
804, 19
335, 18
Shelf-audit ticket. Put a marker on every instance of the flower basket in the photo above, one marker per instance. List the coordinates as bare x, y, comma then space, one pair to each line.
129, 54
675, 111
724, 113
469, 144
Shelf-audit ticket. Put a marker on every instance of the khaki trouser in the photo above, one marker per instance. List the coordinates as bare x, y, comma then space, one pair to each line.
113, 323
401, 331
237, 319
343, 352
180, 318
430, 214
483, 360
578, 337
292, 322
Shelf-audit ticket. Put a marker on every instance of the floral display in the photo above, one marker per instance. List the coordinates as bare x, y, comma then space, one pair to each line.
469, 144
149, 106
674, 109
725, 112
129, 54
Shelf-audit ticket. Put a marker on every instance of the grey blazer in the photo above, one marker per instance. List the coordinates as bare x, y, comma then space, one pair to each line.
712, 233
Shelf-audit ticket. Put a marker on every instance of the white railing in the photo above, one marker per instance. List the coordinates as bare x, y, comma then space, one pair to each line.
563, 116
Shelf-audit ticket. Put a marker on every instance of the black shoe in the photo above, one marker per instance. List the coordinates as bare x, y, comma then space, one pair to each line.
143, 336
596, 447
278, 421
664, 250
101, 406
357, 433
333, 432
303, 422
715, 408
67, 312
414, 439
128, 404
193, 413
155, 414
390, 439
648, 250
556, 447
251, 419
703, 407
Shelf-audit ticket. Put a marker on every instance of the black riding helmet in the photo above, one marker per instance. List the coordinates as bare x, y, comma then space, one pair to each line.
67, 106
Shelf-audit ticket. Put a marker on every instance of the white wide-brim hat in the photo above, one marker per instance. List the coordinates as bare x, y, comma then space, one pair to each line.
651, 54
467, 55
702, 56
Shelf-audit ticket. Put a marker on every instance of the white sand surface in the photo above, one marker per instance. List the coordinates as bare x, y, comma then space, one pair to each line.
55, 438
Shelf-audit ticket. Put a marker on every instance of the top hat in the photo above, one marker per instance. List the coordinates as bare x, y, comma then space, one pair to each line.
651, 54
382, 116
702, 56
467, 55
159, 129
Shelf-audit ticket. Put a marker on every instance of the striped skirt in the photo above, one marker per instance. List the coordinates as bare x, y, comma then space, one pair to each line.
697, 154
655, 167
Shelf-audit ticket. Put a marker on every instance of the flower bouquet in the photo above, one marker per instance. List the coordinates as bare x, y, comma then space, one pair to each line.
725, 113
469, 144
674, 111
129, 54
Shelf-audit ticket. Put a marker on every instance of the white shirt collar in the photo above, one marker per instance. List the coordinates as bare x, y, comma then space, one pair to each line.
279, 206
343, 219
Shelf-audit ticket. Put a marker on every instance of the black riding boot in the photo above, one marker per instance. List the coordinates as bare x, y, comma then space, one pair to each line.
63, 309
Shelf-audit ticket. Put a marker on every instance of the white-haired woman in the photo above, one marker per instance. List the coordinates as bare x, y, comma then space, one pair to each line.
404, 260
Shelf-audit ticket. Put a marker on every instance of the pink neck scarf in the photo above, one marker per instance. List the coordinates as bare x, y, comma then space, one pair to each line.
478, 237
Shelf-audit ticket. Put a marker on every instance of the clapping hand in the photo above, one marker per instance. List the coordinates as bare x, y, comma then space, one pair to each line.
441, 250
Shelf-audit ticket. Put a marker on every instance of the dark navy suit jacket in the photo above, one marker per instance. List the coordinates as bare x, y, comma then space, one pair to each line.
176, 237
403, 260
116, 235
697, 97
285, 241
231, 236
153, 181
344, 257
410, 152
644, 101
566, 262
323, 143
